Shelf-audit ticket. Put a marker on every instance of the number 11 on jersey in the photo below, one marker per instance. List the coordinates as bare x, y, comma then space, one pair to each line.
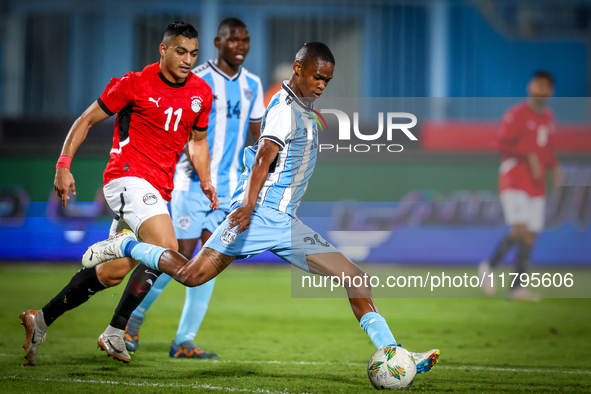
178, 113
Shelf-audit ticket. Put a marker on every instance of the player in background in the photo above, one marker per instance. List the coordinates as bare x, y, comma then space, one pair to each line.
158, 110
263, 217
237, 108
527, 130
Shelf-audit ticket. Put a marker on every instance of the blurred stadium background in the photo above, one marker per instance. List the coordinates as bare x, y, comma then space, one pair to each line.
468, 60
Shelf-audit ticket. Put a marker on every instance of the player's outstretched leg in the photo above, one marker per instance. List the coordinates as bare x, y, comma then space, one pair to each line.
107, 250
206, 265
363, 306
426, 360
35, 328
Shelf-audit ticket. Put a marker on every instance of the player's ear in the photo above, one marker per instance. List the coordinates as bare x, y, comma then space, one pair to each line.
297, 67
217, 42
162, 49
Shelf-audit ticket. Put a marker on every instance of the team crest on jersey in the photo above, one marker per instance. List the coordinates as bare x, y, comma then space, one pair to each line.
150, 199
248, 94
196, 103
228, 237
184, 222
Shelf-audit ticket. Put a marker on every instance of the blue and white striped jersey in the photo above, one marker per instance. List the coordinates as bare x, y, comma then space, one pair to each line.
290, 124
237, 101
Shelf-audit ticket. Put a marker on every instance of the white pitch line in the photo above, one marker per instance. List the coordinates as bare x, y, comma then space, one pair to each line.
449, 367
356, 364
158, 385
526, 370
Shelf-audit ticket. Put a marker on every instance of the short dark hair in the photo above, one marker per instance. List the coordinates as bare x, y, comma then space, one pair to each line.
543, 74
180, 29
230, 23
316, 51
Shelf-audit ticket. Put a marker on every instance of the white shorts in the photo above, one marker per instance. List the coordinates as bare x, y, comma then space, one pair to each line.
134, 200
521, 208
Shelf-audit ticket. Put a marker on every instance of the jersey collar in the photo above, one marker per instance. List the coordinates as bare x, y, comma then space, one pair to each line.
292, 96
172, 84
223, 74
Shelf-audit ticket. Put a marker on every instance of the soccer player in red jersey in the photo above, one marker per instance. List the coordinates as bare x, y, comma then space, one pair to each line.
159, 111
527, 130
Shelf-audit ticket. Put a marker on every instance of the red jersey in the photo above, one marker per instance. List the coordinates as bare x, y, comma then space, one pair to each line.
524, 131
154, 119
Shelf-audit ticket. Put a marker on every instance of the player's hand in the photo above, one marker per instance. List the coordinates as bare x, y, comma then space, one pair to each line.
63, 183
535, 165
241, 218
211, 194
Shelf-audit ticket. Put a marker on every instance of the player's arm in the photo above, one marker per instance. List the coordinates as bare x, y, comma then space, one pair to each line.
198, 152
64, 181
266, 154
255, 130
510, 141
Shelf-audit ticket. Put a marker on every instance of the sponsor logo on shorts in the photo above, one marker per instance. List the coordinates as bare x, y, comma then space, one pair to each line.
228, 237
150, 199
184, 222
196, 103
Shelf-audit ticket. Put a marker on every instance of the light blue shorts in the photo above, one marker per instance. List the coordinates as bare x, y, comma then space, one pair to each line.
191, 214
271, 230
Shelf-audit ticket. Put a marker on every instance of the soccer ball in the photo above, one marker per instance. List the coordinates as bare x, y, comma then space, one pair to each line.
392, 368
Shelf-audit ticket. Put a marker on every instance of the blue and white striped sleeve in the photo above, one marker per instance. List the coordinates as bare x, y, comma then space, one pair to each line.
277, 125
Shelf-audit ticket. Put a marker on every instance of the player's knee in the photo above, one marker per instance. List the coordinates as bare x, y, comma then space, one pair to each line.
519, 233
196, 279
170, 244
109, 281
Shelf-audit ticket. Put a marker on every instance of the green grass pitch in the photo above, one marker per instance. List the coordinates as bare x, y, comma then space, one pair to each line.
272, 343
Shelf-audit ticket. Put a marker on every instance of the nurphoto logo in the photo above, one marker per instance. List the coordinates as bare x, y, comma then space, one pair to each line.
371, 141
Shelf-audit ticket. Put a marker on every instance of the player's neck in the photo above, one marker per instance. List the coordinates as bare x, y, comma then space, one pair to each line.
226, 67
169, 77
298, 92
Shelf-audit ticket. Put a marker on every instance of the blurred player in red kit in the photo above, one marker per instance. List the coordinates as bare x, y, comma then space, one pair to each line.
526, 135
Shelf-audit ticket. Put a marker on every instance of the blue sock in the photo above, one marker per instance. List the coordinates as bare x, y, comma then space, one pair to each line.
162, 281
196, 302
377, 329
142, 252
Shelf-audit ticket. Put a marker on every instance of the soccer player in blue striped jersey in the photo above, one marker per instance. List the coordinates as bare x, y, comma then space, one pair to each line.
264, 206
237, 109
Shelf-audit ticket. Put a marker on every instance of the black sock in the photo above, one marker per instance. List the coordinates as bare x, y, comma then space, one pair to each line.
84, 284
141, 281
522, 263
501, 250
